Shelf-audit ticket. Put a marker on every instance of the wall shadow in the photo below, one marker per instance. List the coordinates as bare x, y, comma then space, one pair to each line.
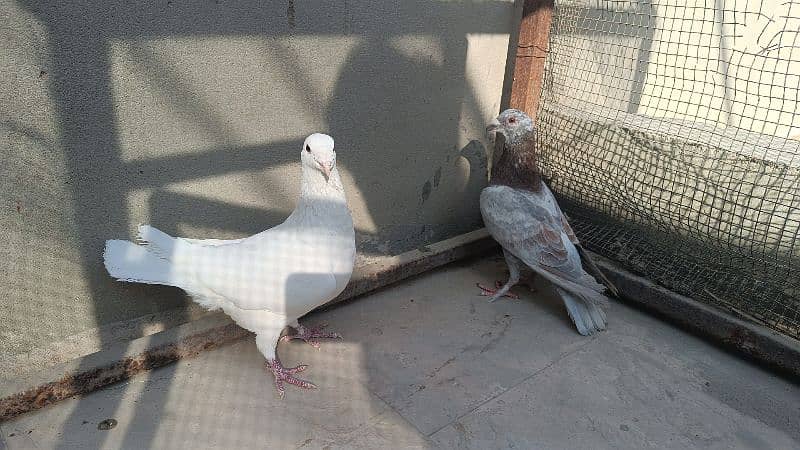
404, 112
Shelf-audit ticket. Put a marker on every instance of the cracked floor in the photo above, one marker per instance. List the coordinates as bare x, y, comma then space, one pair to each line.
428, 363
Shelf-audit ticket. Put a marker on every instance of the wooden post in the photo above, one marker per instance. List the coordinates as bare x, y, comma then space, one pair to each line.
534, 32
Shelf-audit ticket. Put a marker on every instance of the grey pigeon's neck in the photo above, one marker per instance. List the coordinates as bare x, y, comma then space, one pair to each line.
517, 166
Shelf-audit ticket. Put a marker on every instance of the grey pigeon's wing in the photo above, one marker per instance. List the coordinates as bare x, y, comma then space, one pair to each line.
588, 262
568, 229
529, 226
590, 267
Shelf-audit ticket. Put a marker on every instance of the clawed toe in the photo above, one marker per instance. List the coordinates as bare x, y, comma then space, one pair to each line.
487, 292
311, 335
285, 375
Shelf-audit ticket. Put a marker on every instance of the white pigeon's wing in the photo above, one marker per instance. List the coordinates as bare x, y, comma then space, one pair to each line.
527, 225
213, 242
282, 270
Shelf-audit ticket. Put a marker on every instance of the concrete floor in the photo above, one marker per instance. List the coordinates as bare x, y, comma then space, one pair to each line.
429, 364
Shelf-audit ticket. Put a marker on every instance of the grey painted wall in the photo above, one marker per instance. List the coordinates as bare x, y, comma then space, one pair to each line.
190, 115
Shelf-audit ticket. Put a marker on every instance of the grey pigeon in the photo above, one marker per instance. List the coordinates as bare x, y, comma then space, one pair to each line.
523, 216
265, 282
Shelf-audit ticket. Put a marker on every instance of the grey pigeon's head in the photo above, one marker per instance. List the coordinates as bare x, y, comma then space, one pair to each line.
318, 154
513, 124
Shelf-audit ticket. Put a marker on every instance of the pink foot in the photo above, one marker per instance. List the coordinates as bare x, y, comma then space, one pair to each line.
310, 335
486, 292
283, 374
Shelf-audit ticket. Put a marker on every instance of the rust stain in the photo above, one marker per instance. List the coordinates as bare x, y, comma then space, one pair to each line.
426, 191
437, 177
290, 14
90, 380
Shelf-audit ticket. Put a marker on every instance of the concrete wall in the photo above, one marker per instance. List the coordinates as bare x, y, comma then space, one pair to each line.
190, 116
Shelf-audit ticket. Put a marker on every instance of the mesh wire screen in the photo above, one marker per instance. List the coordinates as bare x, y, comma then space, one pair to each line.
669, 131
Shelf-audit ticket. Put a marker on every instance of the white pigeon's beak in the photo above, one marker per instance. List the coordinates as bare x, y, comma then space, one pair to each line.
326, 167
491, 129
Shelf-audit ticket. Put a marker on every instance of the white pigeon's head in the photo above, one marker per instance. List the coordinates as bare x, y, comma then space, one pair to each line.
318, 154
513, 124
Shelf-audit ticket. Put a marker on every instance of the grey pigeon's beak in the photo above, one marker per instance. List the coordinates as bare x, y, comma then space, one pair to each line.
327, 167
491, 130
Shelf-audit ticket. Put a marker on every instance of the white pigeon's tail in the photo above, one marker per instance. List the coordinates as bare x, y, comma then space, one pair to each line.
156, 240
586, 313
127, 261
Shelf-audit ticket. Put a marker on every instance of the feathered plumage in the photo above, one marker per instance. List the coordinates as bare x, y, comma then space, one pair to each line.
266, 281
522, 214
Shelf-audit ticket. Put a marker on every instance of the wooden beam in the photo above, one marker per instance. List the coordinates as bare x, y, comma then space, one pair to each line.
534, 33
759, 343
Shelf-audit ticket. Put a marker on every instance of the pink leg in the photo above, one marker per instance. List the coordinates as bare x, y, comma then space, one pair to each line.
283, 374
486, 292
310, 335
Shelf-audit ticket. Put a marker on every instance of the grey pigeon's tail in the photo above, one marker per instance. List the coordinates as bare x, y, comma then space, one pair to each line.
586, 313
127, 261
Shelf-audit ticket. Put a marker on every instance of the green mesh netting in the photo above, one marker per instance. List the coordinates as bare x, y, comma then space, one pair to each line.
669, 131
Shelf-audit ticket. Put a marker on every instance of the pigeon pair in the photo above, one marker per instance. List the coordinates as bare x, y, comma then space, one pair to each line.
265, 282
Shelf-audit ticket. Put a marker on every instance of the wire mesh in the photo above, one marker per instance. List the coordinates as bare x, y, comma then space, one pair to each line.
669, 131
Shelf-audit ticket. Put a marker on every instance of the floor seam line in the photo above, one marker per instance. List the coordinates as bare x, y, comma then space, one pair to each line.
398, 412
523, 380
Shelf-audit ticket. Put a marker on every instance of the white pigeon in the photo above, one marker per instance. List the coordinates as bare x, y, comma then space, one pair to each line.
265, 282
523, 216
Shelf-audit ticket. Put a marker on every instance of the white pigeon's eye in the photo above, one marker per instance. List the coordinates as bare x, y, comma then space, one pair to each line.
308, 148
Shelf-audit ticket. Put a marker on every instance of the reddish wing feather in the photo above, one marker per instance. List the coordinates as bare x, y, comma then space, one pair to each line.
568, 230
553, 254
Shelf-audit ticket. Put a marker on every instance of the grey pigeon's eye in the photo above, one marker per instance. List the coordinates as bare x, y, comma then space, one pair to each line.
308, 148
512, 120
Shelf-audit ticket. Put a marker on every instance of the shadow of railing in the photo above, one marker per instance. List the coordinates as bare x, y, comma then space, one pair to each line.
391, 113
